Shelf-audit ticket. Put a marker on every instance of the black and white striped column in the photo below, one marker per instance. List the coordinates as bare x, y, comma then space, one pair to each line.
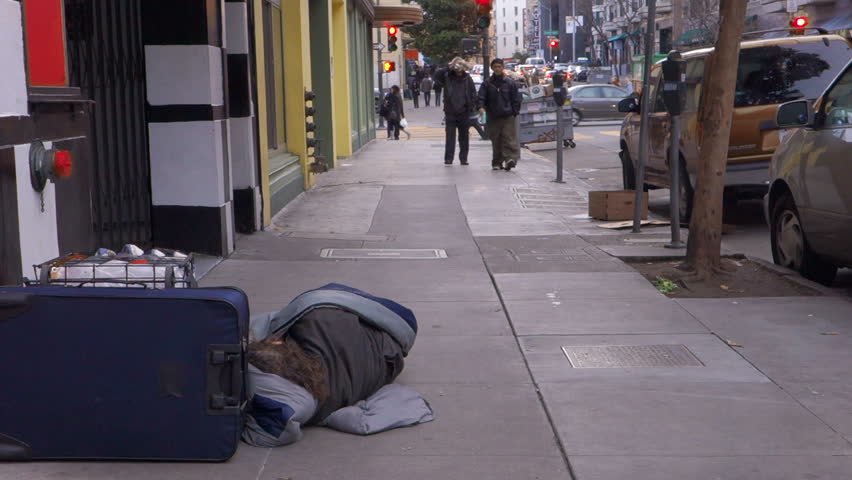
187, 115
247, 198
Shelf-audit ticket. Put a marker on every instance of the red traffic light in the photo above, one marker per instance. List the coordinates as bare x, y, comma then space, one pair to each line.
484, 6
388, 66
393, 30
554, 43
799, 22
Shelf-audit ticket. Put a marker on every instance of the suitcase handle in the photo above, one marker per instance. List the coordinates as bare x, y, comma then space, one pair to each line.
224, 379
14, 304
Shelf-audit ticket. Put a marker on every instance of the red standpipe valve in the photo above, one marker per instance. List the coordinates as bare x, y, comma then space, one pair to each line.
62, 164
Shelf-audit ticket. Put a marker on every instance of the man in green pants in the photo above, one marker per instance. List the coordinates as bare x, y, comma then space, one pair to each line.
500, 97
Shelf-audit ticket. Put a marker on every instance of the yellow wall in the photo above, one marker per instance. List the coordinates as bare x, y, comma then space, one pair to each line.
340, 82
297, 79
260, 77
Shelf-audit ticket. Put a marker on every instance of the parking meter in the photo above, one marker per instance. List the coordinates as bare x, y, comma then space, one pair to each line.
559, 92
674, 83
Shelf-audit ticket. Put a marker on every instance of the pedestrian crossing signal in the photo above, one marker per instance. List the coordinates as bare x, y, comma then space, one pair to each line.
388, 66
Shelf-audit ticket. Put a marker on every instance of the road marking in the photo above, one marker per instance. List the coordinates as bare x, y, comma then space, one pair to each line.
611, 133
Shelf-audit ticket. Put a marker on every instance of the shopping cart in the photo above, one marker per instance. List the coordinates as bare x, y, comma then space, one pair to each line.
166, 269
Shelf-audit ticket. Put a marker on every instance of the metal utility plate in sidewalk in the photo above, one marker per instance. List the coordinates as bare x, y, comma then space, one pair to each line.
629, 356
385, 253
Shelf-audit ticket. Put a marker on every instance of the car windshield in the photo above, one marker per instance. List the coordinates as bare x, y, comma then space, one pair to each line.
781, 73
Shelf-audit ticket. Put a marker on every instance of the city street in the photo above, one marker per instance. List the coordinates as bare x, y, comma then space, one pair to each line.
595, 160
734, 389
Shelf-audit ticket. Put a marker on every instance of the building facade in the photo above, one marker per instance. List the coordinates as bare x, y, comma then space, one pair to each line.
171, 124
509, 27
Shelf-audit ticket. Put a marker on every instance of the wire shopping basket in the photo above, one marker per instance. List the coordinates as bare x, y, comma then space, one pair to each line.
145, 271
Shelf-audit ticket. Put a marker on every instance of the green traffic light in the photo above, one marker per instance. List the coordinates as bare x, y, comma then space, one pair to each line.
392, 47
483, 22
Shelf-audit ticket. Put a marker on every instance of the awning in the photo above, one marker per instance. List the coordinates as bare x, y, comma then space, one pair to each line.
616, 38
691, 36
397, 15
838, 23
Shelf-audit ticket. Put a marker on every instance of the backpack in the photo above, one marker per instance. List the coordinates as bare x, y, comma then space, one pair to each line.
384, 108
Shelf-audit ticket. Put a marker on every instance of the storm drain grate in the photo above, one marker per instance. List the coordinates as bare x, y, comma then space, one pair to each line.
628, 356
385, 253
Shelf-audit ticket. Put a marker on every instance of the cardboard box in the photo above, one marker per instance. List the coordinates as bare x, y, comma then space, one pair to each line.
615, 205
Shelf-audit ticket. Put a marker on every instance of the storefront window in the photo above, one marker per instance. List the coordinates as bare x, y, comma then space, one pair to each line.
272, 21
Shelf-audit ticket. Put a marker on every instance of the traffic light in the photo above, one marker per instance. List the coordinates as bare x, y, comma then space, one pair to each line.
484, 7
392, 31
554, 43
388, 66
799, 22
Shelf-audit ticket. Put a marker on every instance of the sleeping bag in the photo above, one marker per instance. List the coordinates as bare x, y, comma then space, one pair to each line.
355, 343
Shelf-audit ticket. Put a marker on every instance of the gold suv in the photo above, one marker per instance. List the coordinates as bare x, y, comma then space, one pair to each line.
771, 71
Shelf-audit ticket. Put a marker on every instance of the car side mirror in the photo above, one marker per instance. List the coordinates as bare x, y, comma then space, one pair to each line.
628, 105
798, 113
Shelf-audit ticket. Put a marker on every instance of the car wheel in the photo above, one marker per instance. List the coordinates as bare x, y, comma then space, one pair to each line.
686, 195
576, 117
790, 246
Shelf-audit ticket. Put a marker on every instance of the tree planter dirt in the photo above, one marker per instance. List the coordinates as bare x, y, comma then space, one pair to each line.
745, 279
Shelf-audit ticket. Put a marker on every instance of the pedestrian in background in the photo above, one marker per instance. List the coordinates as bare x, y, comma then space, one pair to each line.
415, 92
426, 88
500, 97
459, 103
393, 112
436, 85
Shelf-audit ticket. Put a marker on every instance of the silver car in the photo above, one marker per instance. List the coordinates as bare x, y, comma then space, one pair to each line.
809, 204
596, 102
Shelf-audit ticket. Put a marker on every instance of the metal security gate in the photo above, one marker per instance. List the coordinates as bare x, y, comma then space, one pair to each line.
106, 60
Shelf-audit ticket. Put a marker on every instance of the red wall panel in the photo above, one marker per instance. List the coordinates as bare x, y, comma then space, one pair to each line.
45, 37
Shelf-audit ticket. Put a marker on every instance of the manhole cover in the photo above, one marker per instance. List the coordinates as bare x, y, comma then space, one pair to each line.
385, 253
626, 356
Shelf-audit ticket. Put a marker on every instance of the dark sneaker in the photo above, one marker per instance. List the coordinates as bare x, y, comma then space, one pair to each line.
448, 162
496, 167
464, 162
511, 164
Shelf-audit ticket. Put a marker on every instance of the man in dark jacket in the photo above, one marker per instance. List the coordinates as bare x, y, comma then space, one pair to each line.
393, 111
459, 103
500, 97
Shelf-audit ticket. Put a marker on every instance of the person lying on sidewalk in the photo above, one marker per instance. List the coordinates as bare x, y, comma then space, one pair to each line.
330, 358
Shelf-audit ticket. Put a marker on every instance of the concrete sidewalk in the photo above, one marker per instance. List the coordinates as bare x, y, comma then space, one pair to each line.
523, 278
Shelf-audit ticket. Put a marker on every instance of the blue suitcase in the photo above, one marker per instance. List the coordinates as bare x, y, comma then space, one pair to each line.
122, 373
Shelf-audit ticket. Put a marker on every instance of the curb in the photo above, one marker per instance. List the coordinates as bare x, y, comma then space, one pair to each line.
795, 277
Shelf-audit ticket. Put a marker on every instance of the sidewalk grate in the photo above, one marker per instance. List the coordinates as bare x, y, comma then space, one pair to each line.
630, 356
385, 253
338, 236
548, 200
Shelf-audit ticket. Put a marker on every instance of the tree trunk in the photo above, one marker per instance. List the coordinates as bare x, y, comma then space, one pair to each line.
715, 115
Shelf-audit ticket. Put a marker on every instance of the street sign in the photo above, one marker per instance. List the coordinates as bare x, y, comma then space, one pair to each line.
551, 32
378, 46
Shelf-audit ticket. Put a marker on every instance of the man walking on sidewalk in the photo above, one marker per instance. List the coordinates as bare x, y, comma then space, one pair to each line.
393, 112
500, 97
426, 87
459, 103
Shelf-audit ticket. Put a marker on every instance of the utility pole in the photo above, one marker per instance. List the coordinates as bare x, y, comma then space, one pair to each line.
645, 108
381, 90
574, 31
677, 20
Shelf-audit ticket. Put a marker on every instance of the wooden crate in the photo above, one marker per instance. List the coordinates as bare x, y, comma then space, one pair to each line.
615, 205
